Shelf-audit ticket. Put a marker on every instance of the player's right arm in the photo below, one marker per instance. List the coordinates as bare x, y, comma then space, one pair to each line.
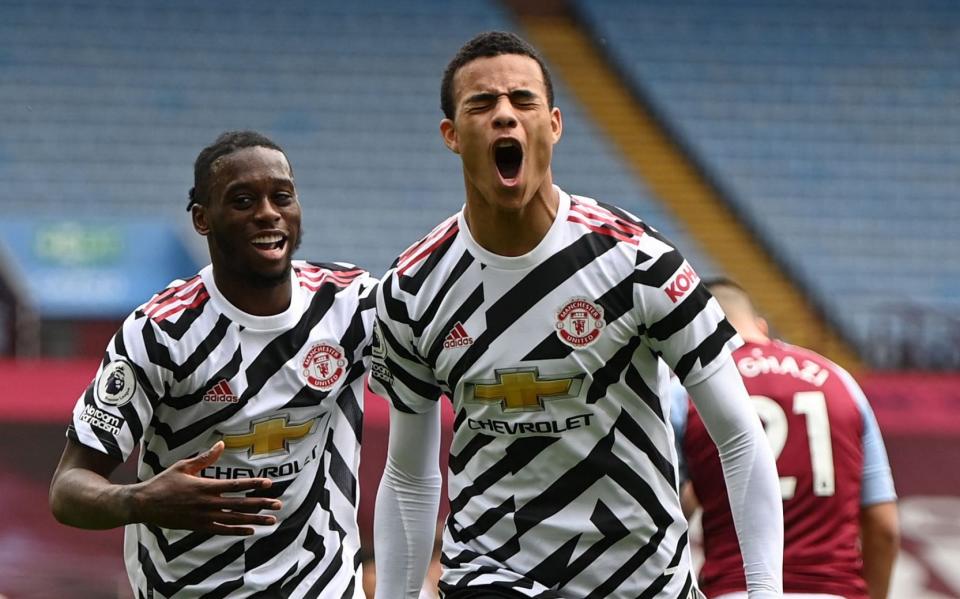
409, 494
880, 539
108, 423
82, 495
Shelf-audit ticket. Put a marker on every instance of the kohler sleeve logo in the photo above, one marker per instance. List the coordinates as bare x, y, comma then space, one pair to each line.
681, 283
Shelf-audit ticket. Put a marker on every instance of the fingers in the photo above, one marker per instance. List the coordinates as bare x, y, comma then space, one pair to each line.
242, 518
201, 461
245, 484
246, 505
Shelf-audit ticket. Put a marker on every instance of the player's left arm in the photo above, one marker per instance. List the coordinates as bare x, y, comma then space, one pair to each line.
684, 324
750, 474
879, 520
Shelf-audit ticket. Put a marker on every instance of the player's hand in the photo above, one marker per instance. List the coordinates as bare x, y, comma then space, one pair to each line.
179, 498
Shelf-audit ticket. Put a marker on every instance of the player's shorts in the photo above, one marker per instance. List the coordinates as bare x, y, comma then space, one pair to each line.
484, 592
743, 595
501, 593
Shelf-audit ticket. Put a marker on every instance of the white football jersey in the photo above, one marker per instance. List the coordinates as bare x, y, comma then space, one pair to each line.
562, 472
285, 395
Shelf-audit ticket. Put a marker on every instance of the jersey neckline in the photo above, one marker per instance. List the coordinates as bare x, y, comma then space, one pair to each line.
544, 249
283, 320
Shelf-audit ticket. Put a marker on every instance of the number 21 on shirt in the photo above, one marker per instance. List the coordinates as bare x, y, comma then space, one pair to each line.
813, 406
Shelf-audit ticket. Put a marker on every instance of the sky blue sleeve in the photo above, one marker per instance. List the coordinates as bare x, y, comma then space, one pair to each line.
877, 478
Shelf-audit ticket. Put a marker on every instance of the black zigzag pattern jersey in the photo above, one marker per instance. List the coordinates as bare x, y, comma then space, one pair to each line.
283, 392
562, 469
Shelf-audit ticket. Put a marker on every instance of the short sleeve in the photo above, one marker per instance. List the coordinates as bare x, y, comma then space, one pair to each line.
681, 321
111, 414
398, 372
877, 485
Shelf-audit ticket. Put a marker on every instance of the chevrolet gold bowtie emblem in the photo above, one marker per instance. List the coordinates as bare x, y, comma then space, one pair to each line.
523, 390
269, 437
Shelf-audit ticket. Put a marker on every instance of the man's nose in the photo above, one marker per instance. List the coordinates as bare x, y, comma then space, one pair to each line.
266, 210
504, 115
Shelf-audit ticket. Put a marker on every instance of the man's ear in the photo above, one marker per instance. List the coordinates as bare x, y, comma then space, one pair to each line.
198, 213
763, 326
449, 133
556, 123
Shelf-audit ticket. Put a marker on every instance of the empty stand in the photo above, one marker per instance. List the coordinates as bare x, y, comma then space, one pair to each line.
106, 104
835, 127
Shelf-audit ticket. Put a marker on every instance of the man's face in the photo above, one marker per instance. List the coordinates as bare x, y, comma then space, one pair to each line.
252, 220
503, 128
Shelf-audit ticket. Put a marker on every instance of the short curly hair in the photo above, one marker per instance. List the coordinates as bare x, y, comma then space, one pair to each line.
227, 143
488, 45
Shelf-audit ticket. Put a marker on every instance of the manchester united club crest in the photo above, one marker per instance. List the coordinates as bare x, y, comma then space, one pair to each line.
579, 322
324, 365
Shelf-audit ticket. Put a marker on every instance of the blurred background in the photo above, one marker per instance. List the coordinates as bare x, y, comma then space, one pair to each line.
809, 150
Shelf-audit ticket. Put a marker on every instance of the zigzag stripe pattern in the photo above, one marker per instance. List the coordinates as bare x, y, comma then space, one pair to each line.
575, 496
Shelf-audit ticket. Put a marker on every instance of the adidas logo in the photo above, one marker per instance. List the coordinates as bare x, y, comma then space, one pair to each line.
457, 337
221, 393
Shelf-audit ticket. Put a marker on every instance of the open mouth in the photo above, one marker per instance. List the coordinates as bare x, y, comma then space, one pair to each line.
270, 242
508, 156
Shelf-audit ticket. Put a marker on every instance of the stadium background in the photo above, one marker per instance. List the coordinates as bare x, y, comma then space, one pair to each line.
810, 150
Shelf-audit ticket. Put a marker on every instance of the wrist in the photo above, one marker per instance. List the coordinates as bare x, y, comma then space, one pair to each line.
129, 504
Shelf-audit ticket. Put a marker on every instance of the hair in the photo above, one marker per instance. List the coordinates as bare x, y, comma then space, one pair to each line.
227, 143
488, 45
713, 283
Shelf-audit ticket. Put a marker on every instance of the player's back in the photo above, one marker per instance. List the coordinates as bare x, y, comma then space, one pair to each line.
815, 426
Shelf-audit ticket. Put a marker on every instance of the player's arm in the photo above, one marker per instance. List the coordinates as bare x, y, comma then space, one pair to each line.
879, 521
880, 538
405, 518
750, 474
82, 495
689, 502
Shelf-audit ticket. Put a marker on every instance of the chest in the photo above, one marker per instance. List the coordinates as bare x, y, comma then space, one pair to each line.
527, 344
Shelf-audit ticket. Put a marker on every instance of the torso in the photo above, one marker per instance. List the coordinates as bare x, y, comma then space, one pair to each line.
285, 395
815, 428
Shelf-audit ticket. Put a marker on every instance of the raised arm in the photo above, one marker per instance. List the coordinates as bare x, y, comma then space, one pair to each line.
82, 495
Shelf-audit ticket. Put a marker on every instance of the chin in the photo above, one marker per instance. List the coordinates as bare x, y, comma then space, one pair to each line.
275, 278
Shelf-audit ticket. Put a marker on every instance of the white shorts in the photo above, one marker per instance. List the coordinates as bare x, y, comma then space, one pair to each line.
743, 595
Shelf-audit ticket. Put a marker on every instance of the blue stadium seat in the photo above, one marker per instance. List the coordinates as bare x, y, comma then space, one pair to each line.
835, 126
106, 105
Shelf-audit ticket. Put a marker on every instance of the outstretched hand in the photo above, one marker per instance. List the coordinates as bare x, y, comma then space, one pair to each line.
179, 498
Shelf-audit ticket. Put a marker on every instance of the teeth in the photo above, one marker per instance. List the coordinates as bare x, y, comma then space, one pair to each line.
268, 238
506, 143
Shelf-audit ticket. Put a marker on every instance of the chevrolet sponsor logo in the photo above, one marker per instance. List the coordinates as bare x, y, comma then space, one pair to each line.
268, 437
523, 389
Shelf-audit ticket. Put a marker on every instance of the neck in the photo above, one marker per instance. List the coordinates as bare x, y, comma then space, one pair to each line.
509, 231
264, 298
757, 337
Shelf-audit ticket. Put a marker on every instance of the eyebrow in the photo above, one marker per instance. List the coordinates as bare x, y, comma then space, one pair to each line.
516, 94
242, 184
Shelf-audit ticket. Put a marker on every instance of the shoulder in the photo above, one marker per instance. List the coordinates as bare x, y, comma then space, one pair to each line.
803, 354
607, 219
180, 295
425, 246
314, 275
834, 377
